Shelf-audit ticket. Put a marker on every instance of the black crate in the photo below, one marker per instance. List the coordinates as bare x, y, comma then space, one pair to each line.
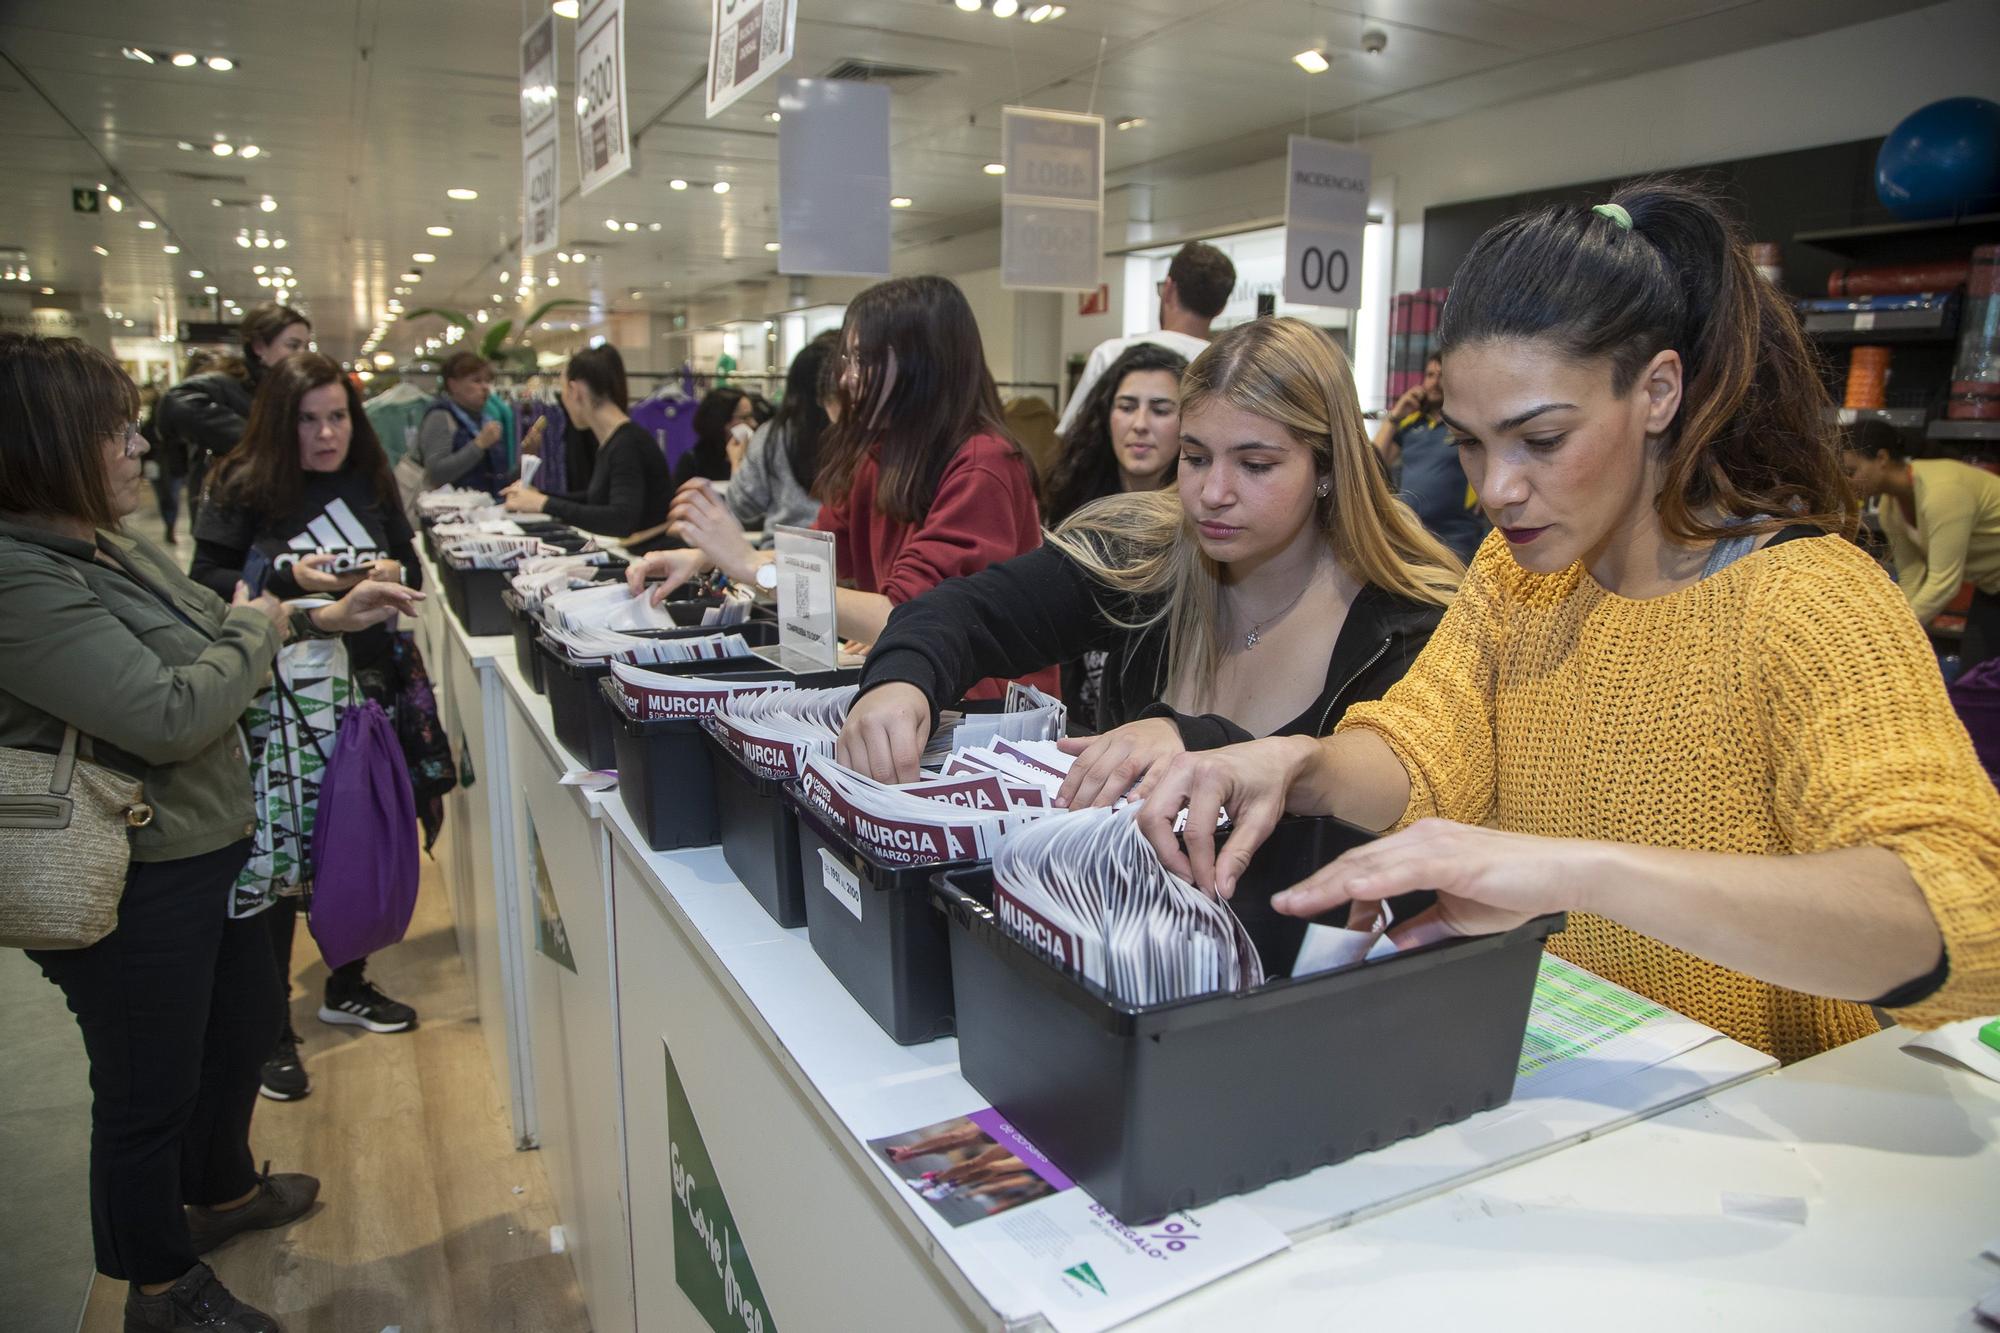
894, 958
759, 832
583, 721
1158, 1107
664, 774
756, 633
523, 624
474, 598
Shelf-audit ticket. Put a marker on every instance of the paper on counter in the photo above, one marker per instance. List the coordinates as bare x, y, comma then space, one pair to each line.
1788, 1208
590, 779
1017, 1226
1577, 1013
1960, 1044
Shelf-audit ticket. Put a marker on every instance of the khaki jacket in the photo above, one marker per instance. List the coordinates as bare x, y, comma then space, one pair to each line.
95, 647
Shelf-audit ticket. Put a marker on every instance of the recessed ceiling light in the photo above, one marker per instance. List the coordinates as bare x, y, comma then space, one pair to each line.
223, 149
969, 6
771, 247
171, 249
278, 244
210, 290
631, 226
384, 360
183, 58
251, 150
437, 231
1043, 13
423, 257
611, 224
267, 205
147, 224
243, 240
774, 116
128, 323
554, 281
262, 242
677, 184
411, 276
184, 145
1006, 9
98, 249
995, 168
562, 256
461, 193
565, 9
652, 226
114, 203
48, 291
134, 53
901, 201
1312, 62
1132, 123
221, 64
196, 273
258, 268
635, 296
722, 187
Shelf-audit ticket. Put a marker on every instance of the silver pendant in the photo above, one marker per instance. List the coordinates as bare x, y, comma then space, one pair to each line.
1250, 639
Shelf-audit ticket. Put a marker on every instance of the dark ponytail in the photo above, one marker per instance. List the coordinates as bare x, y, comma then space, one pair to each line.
1752, 439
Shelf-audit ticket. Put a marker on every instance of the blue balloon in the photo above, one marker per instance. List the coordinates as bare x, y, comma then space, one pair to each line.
1940, 159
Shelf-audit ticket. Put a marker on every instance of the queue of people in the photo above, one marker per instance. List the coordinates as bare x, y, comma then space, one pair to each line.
1606, 646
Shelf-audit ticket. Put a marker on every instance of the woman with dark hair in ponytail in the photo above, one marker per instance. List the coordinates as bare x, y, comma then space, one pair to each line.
1672, 699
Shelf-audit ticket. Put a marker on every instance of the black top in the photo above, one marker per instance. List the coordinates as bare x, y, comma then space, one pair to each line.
206, 413
707, 459
579, 454
339, 512
629, 489
1021, 615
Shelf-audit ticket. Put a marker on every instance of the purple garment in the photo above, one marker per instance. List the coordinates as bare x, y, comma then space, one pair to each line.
1976, 697
553, 479
669, 420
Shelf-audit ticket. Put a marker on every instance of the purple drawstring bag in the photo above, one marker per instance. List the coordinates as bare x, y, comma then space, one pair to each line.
364, 845
1976, 697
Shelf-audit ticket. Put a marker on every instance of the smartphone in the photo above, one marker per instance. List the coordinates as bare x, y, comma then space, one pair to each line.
256, 570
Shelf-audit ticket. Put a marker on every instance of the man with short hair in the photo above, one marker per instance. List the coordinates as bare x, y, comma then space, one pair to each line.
1197, 287
1431, 480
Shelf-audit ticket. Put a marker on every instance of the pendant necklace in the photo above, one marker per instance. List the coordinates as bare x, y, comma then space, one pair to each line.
1255, 636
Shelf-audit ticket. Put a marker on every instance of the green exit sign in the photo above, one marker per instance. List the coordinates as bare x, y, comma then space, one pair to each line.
85, 201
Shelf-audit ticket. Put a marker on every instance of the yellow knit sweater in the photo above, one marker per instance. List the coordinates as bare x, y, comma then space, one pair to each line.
1787, 704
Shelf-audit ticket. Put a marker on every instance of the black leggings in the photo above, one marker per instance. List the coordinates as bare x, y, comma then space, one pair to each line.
284, 916
178, 1007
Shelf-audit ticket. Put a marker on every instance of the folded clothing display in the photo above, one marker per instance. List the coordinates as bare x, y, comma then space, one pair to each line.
1089, 891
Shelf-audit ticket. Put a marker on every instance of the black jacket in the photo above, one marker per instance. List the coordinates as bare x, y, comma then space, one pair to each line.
1021, 615
206, 414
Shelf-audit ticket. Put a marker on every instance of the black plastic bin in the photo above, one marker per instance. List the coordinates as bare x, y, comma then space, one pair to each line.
894, 956
523, 624
665, 776
1158, 1107
474, 598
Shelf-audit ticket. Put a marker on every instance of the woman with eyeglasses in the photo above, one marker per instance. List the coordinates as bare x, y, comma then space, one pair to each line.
178, 1004
919, 481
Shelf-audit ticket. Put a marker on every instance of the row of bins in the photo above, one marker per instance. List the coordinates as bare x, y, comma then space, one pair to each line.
1150, 1108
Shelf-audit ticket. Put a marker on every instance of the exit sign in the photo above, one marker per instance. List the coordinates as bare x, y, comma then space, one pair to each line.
84, 200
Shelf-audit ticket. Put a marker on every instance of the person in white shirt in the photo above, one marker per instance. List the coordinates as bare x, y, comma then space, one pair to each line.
1196, 289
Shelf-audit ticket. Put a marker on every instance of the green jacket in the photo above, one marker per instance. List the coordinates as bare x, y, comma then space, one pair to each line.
84, 644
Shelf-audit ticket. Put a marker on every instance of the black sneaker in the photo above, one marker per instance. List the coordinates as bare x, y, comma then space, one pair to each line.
197, 1303
284, 1078
281, 1199
359, 1004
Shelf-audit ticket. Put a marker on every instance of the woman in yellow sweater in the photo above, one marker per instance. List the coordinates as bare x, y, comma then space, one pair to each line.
1671, 699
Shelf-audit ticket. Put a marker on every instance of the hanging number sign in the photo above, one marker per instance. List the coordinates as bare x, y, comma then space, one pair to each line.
540, 160
748, 42
1051, 200
1326, 216
603, 141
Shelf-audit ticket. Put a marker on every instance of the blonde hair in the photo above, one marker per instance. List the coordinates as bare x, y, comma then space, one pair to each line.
1144, 545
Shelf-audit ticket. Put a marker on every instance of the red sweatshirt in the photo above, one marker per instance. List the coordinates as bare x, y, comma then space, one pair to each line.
984, 512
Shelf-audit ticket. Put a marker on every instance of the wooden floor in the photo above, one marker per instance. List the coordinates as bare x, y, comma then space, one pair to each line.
428, 1218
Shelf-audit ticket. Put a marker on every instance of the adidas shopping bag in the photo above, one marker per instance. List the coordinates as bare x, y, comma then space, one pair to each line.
364, 844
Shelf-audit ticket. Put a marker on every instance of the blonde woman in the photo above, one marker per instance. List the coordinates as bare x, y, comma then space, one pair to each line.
1279, 583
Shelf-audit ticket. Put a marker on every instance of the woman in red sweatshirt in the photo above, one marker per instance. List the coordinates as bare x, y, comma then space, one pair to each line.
920, 479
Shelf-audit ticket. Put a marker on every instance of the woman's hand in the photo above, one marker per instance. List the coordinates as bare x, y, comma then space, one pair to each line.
884, 735
266, 605
738, 449
1250, 781
1487, 880
700, 518
386, 571
489, 435
1108, 766
365, 605
670, 568
313, 576
521, 498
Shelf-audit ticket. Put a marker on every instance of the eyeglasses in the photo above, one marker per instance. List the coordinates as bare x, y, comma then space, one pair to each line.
135, 443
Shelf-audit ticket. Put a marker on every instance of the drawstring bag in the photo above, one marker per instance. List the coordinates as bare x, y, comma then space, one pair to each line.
1975, 696
364, 844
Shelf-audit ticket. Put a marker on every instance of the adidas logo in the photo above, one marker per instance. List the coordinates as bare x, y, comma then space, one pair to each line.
337, 530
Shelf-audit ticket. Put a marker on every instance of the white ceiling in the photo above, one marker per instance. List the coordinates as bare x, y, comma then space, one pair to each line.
366, 111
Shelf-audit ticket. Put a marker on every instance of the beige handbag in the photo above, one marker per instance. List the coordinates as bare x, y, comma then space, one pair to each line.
64, 846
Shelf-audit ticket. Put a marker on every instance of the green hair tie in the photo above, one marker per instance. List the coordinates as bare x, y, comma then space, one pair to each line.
1616, 212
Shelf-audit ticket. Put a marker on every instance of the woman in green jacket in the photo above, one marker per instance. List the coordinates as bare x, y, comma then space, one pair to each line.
178, 1005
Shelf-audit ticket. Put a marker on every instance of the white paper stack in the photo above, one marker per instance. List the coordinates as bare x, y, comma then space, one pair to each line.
1033, 762
493, 552
1088, 891
542, 577
452, 500
604, 622
647, 696
918, 823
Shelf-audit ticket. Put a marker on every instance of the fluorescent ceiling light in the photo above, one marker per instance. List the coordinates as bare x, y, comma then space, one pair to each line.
995, 169
565, 9
423, 257
437, 231
901, 201
1312, 62
183, 59
221, 64
677, 184
135, 53
461, 193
